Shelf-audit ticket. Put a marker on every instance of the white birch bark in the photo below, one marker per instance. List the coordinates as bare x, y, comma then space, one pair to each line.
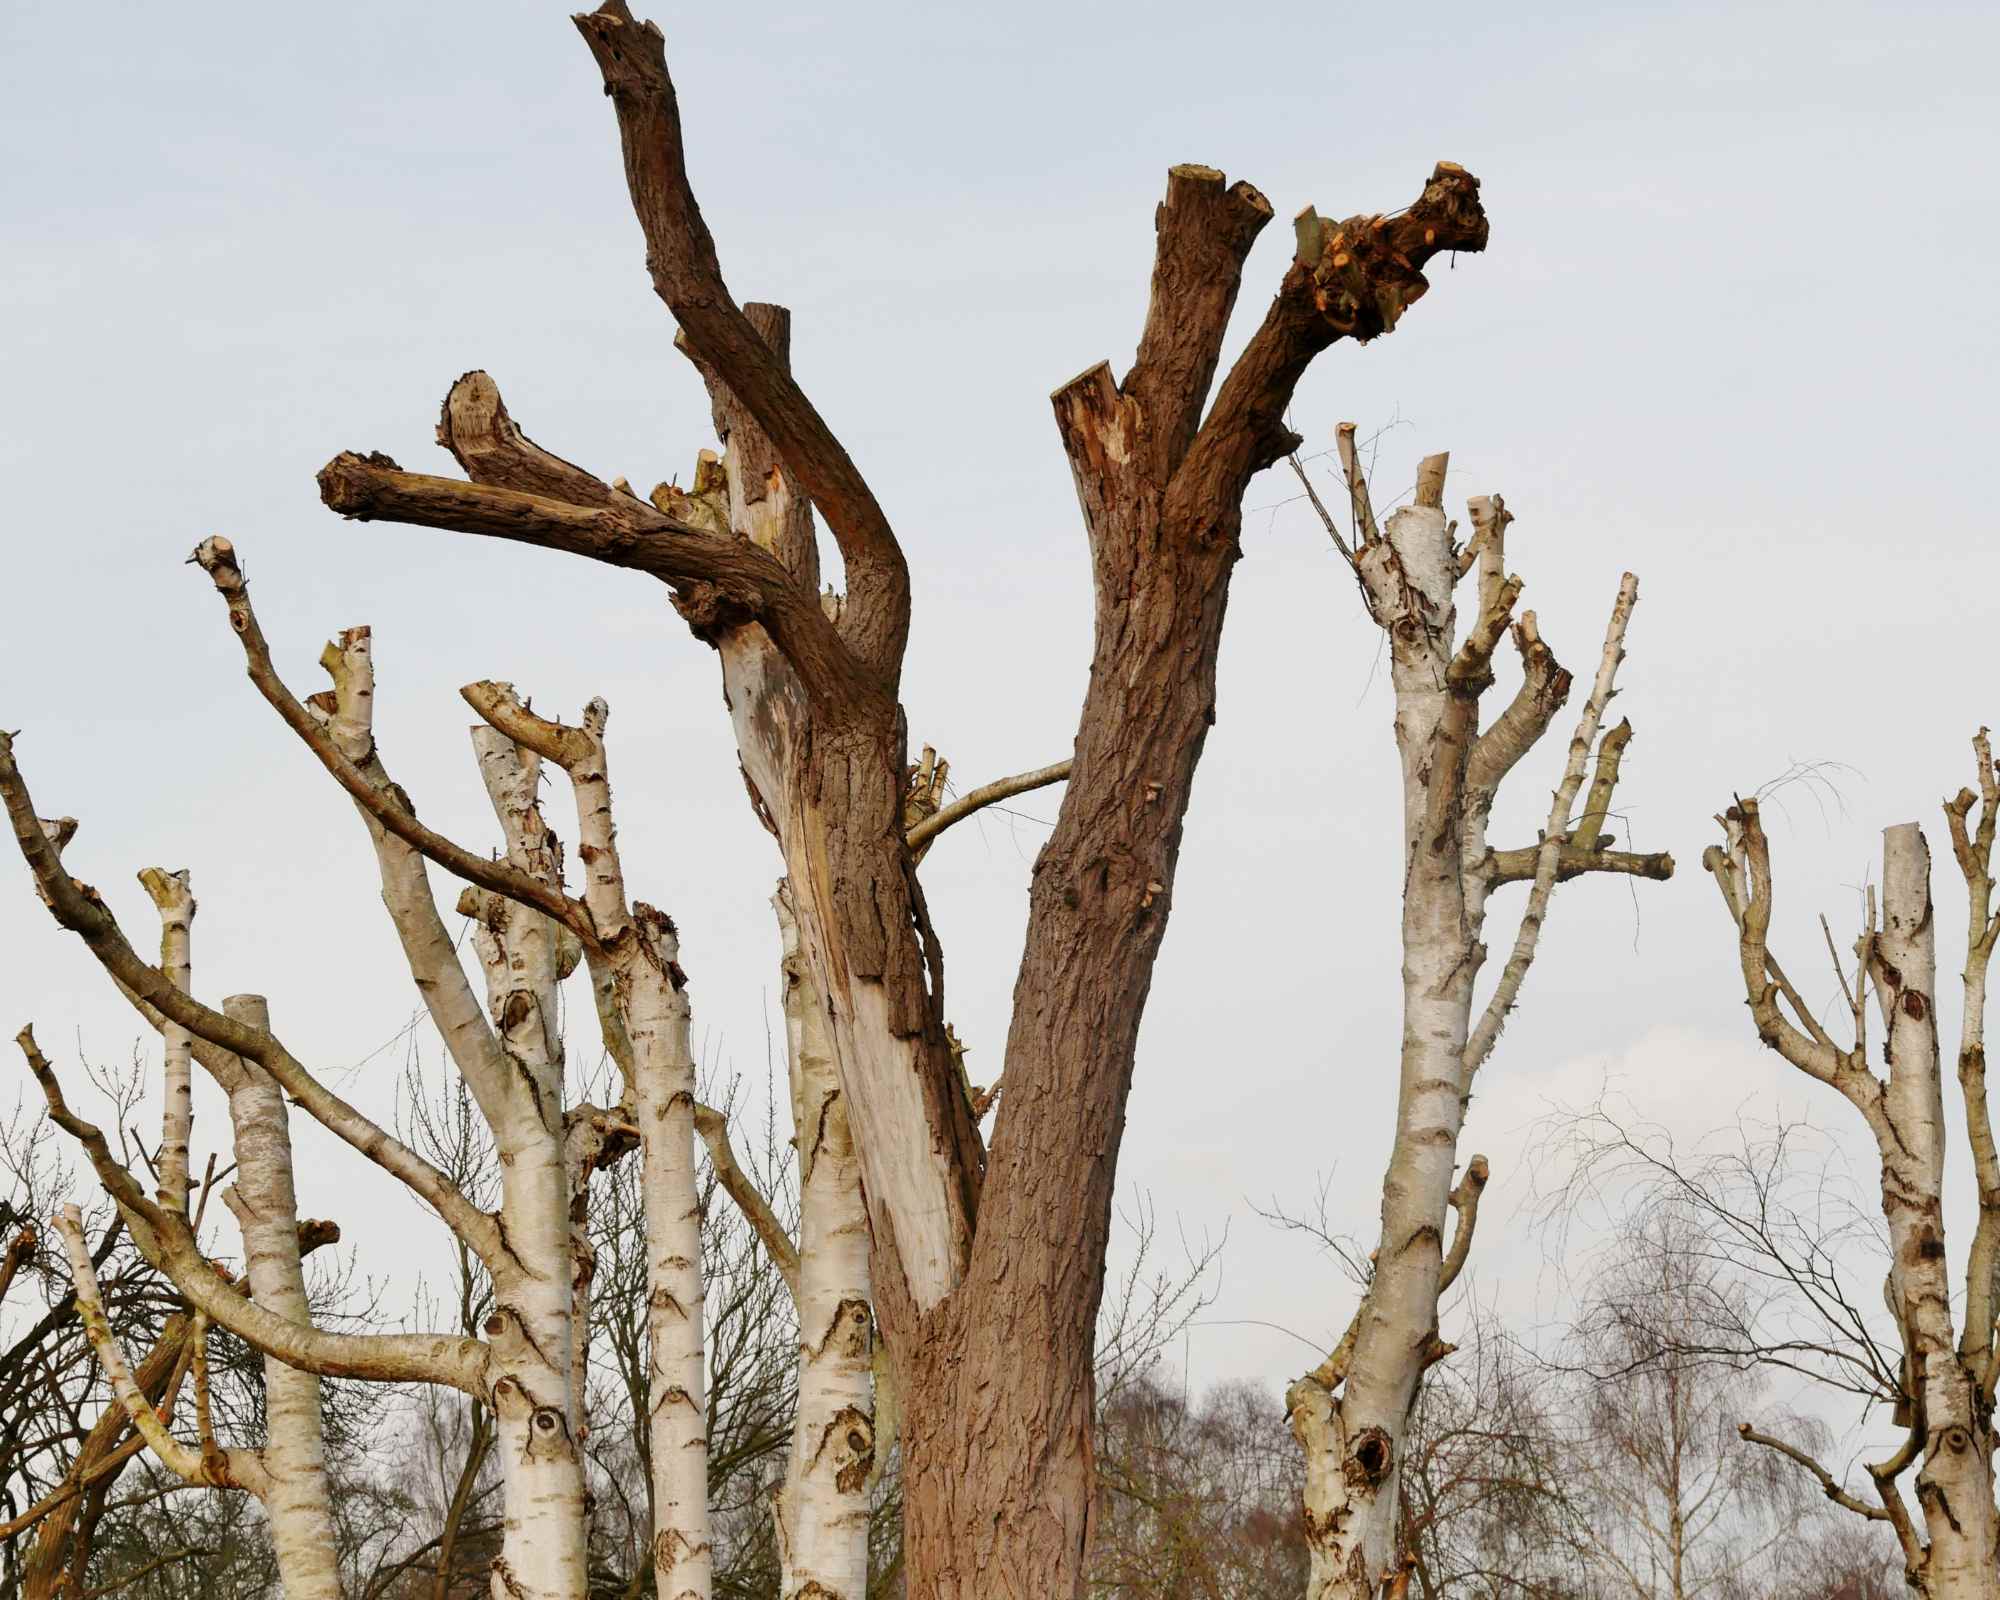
1949, 1382
288, 1474
1350, 1415
513, 1066
1955, 1478
264, 1201
640, 951
544, 1544
822, 1505
169, 892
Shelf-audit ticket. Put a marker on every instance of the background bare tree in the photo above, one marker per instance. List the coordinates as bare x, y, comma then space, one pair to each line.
1944, 1380
1351, 1413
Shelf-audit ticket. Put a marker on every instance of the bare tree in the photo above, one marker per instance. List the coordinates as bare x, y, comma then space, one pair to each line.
102, 1512
1197, 1498
1351, 1413
960, 1232
1945, 1380
62, 1448
531, 1365
1659, 1499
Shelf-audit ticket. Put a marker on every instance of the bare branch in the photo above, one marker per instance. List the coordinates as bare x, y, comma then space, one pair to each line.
724, 581
1742, 871
979, 799
1589, 830
379, 798
79, 909
680, 254
192, 1466
1351, 280
1521, 865
1544, 691
1480, 1044
1361, 512
1465, 1201
1325, 516
777, 1240
1828, 1482
166, 1242
1204, 231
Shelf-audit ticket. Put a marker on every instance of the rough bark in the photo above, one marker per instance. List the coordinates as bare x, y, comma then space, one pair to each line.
986, 1277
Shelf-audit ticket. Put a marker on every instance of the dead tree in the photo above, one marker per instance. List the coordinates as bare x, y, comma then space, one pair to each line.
987, 1263
1947, 1378
1351, 1413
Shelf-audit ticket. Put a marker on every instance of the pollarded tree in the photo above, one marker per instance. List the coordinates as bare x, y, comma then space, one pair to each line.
987, 1265
531, 1367
1946, 1378
1351, 1414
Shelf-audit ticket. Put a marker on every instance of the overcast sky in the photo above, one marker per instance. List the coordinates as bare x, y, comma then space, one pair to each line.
1734, 332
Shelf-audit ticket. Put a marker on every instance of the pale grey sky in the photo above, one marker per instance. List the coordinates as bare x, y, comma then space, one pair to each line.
1733, 332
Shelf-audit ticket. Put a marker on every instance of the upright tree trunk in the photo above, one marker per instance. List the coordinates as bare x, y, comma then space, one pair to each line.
543, 1543
1955, 1485
1351, 1414
636, 968
264, 1200
1947, 1384
822, 1505
991, 1335
1353, 1445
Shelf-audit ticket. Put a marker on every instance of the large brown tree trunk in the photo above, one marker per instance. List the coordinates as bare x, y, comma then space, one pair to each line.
987, 1271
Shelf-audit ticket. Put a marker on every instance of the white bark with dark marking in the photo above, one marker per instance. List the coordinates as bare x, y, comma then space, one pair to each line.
264, 1201
639, 952
822, 1506
543, 1550
1350, 1415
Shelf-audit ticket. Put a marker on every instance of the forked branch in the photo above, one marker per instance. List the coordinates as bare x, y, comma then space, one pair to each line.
687, 275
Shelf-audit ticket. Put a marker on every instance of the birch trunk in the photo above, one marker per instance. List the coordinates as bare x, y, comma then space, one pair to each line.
1351, 1414
1947, 1382
638, 952
822, 1505
1353, 1446
1955, 1485
265, 1204
514, 1068
169, 891
543, 1546
292, 1480
657, 1020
